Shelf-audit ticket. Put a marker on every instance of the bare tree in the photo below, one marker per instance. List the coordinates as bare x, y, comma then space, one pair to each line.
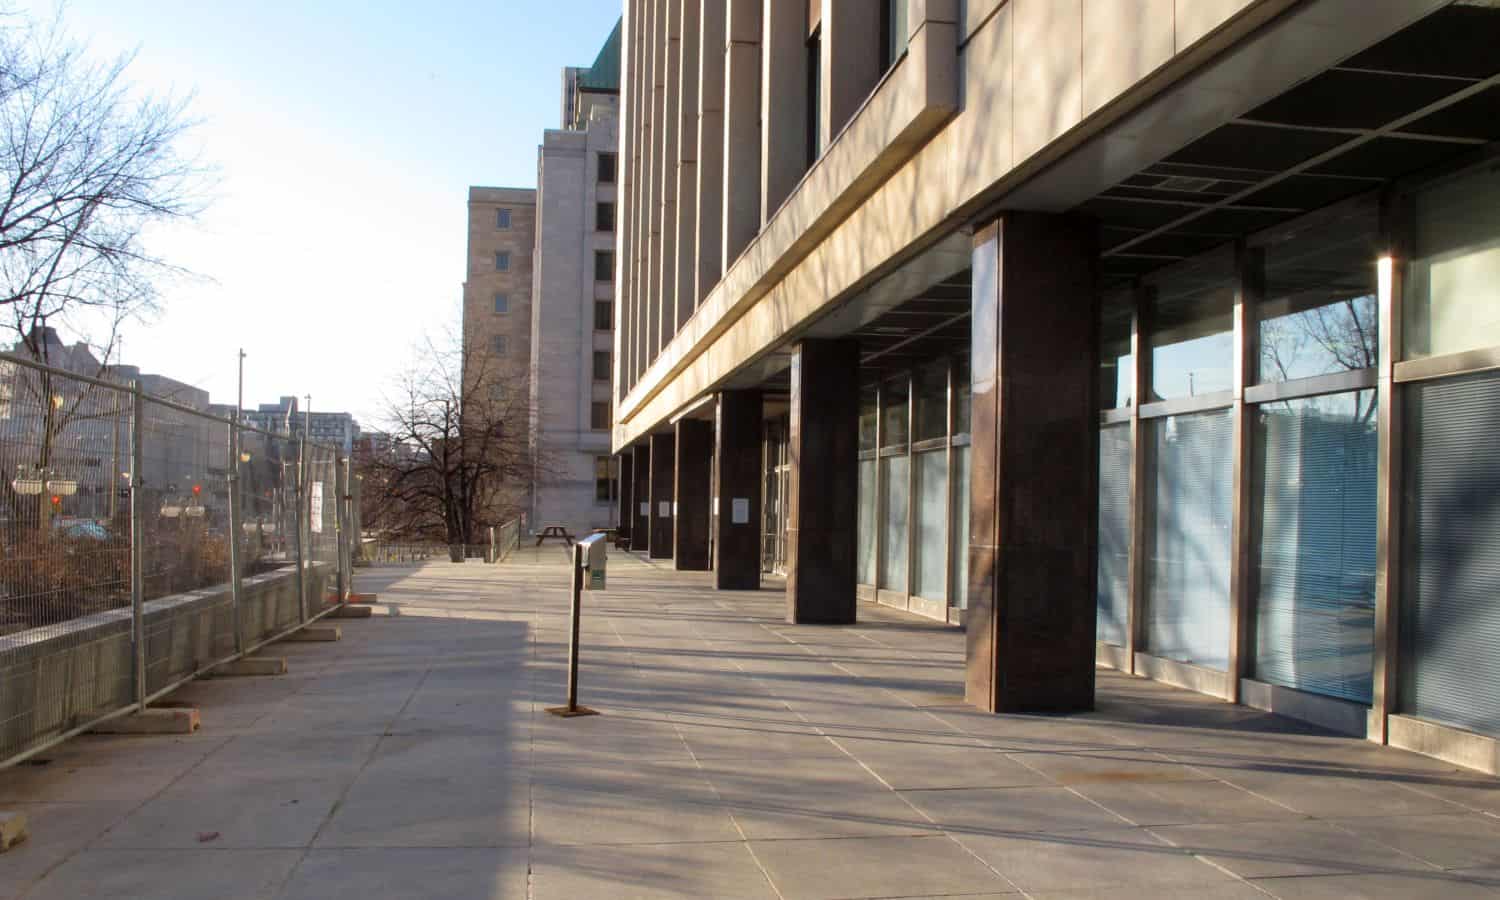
89, 166
458, 459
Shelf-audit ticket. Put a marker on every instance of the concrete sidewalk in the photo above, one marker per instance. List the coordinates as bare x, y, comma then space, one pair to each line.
737, 756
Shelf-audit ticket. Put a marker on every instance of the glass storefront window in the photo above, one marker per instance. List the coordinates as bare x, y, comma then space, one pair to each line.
1315, 480
869, 412
962, 393
1114, 533
1116, 362
894, 413
1191, 339
865, 560
931, 524
895, 494
1450, 630
930, 386
1318, 315
960, 528
1187, 594
1452, 300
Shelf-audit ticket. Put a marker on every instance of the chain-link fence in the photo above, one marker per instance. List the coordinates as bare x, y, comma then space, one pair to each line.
144, 541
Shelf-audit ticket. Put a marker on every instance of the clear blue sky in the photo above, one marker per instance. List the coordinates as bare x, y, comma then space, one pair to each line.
345, 136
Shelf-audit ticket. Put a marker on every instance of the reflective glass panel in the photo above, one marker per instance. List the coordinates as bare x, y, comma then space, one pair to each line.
1191, 339
931, 523
1318, 313
868, 534
1116, 362
1187, 596
930, 383
894, 413
1315, 495
960, 528
1114, 533
895, 494
1452, 300
868, 415
962, 394
1450, 657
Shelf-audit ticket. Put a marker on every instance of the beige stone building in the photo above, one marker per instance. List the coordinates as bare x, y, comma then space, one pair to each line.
1152, 333
498, 282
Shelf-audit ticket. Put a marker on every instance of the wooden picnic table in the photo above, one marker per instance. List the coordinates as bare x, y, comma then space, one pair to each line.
554, 531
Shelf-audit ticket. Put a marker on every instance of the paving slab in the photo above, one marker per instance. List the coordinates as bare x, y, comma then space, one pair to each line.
409, 873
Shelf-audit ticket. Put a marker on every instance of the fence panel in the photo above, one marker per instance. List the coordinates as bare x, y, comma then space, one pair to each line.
108, 496
64, 554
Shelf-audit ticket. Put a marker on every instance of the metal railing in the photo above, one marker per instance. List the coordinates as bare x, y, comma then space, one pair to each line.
144, 541
507, 539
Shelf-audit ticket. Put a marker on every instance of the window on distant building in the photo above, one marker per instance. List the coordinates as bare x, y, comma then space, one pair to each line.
604, 265
502, 260
604, 216
601, 365
606, 479
599, 416
502, 304
606, 168
814, 96
500, 344
502, 218
604, 315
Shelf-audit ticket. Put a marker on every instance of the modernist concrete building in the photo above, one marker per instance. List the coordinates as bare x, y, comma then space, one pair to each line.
1162, 333
572, 324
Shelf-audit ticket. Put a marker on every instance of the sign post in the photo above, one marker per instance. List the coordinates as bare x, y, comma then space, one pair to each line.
588, 573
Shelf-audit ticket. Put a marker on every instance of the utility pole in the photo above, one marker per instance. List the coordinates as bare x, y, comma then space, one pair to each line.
239, 404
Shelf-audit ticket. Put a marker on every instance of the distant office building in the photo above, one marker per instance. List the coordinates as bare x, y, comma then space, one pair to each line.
334, 429
498, 284
76, 432
572, 336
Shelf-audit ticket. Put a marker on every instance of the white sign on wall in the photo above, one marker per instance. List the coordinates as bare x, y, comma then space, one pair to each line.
645, 507
664, 509
317, 507
740, 514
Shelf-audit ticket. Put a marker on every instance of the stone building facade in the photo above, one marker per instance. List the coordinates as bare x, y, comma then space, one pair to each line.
572, 336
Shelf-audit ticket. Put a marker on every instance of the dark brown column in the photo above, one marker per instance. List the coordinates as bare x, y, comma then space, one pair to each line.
662, 462
640, 529
626, 516
737, 449
693, 489
824, 490
1033, 490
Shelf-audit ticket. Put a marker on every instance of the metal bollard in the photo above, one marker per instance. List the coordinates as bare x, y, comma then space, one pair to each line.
573, 709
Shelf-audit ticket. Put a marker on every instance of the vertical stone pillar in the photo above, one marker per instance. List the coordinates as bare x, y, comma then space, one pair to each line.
686, 249
667, 214
663, 456
850, 61
1034, 483
741, 128
640, 529
626, 517
625, 174
737, 450
824, 489
784, 102
693, 492
710, 213
655, 161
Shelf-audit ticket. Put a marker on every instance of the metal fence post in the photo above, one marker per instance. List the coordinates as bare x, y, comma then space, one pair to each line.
236, 534
138, 539
340, 489
300, 516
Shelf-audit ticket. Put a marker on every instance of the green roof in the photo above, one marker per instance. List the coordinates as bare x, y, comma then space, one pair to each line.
604, 74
